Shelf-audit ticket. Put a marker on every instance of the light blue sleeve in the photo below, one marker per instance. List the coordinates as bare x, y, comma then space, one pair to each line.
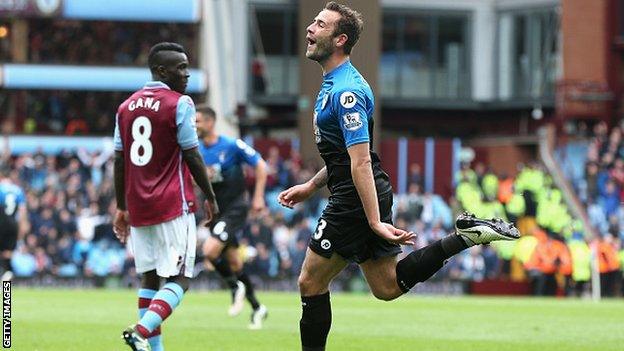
117, 136
185, 121
350, 109
247, 153
21, 197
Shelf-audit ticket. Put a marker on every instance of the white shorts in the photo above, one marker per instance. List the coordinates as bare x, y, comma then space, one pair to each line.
167, 247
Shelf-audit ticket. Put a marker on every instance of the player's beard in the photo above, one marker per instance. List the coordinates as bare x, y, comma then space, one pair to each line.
201, 133
323, 49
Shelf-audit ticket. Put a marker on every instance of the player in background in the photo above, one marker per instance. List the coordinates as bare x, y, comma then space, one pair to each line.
224, 158
156, 153
356, 225
13, 220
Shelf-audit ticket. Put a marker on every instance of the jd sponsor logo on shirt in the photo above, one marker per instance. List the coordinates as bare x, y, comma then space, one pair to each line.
347, 99
352, 121
325, 244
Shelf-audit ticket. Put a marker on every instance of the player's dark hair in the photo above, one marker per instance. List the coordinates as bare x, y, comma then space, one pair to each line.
153, 57
350, 24
206, 110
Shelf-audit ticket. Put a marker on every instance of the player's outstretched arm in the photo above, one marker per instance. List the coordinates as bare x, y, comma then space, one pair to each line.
257, 203
24, 223
196, 165
362, 173
299, 193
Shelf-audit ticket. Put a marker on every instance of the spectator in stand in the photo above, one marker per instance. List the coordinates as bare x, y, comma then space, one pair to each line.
607, 248
258, 76
613, 145
609, 198
542, 267
278, 176
465, 174
581, 264
23, 262
410, 205
94, 162
472, 264
77, 126
282, 235
600, 131
302, 236
591, 181
617, 172
415, 175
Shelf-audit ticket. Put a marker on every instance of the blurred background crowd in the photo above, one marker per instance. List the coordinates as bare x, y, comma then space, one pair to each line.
484, 73
70, 200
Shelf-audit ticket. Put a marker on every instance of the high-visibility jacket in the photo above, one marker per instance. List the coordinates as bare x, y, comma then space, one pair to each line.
505, 190
545, 257
489, 184
564, 258
524, 248
493, 209
581, 260
608, 260
505, 249
516, 205
468, 195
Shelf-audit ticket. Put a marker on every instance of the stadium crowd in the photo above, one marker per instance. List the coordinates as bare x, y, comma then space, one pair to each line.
70, 201
72, 42
601, 189
89, 42
65, 112
554, 251
58, 112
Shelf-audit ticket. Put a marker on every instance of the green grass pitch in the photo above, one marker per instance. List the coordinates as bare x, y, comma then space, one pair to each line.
65, 320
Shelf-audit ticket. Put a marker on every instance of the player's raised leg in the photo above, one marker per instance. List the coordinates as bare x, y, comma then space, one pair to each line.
316, 274
389, 279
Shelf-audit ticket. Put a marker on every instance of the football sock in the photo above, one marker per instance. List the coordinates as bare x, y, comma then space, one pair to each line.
145, 298
222, 266
315, 321
423, 263
453, 244
249, 290
161, 307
